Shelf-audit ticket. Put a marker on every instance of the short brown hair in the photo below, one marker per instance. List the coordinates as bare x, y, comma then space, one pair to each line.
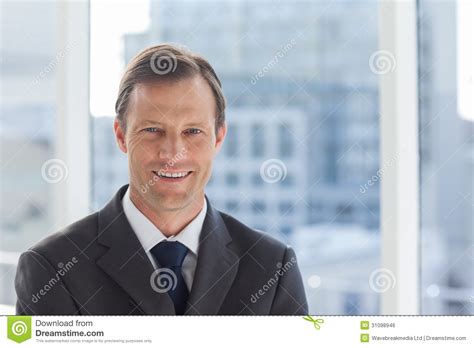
167, 62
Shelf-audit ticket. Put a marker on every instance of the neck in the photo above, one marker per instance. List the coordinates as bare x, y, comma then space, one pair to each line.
169, 222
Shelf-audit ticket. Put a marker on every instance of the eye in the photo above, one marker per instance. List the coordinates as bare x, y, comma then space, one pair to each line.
193, 131
151, 130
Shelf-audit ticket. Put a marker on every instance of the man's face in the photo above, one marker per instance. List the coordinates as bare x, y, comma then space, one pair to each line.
170, 129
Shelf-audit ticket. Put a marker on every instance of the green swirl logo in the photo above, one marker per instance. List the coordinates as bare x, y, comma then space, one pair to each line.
19, 328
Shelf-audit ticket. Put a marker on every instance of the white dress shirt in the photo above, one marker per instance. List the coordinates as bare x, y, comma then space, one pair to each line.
149, 236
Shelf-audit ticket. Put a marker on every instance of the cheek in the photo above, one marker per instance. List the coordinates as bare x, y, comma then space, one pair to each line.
140, 152
205, 164
205, 147
202, 153
133, 146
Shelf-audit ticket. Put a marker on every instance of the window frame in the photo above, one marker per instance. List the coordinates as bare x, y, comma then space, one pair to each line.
72, 197
399, 143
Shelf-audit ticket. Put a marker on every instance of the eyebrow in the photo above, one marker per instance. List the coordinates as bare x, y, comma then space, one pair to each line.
190, 124
149, 121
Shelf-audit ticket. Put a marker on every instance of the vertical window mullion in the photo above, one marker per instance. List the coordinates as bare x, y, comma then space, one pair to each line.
72, 195
399, 162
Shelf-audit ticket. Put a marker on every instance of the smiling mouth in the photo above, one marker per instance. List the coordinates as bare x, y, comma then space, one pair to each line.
176, 176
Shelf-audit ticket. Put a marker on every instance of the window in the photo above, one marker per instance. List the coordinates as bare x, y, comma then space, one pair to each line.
257, 180
288, 181
285, 137
232, 179
259, 207
232, 206
352, 304
447, 162
286, 207
286, 230
258, 140
30, 60
231, 145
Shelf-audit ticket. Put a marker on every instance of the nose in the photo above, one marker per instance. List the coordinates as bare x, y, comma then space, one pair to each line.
170, 147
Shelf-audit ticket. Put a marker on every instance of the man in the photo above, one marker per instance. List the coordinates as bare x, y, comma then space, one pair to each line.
159, 247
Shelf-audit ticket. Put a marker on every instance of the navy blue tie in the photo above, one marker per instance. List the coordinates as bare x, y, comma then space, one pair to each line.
170, 257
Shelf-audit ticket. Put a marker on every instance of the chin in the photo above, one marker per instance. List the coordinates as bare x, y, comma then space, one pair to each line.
172, 201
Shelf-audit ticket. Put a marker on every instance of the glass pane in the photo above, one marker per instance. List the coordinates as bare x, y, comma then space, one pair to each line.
447, 148
300, 160
28, 69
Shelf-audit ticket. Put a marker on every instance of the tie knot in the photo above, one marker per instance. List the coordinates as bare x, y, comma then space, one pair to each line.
169, 254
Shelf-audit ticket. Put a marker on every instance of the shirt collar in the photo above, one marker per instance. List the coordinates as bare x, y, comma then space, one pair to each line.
149, 235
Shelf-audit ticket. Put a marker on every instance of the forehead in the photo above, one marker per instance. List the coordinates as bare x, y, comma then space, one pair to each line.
189, 98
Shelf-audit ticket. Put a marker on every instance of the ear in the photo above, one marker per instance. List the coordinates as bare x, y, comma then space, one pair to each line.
220, 136
120, 136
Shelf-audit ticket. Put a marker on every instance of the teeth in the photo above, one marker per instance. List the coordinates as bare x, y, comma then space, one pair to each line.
172, 175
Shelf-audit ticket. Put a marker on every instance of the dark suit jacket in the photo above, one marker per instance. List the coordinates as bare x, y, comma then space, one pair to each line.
97, 266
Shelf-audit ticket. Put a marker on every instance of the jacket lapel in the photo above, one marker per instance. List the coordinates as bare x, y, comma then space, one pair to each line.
126, 261
216, 268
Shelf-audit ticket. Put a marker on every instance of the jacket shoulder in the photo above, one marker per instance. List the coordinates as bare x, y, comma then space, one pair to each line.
75, 236
247, 237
